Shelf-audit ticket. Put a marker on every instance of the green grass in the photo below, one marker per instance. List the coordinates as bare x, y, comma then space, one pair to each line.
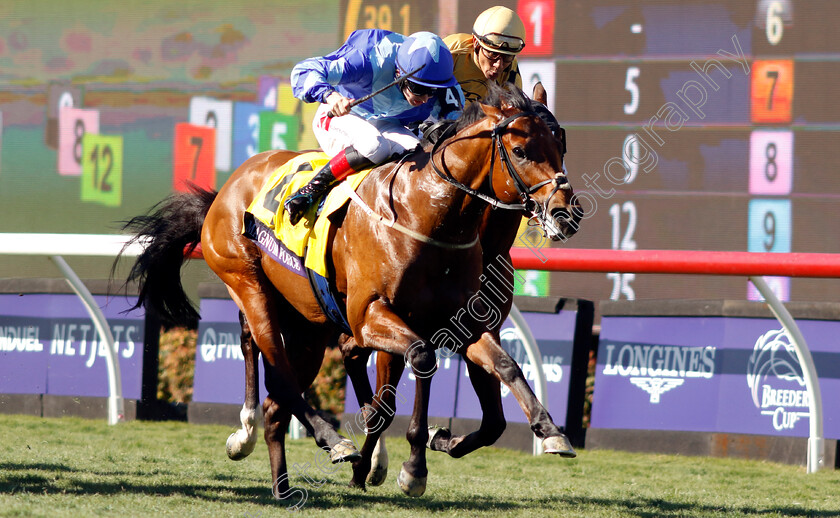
75, 467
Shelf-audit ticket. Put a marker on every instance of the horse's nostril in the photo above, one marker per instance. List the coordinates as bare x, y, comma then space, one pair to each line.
560, 215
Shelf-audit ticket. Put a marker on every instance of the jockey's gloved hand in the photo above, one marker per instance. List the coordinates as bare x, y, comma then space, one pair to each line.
431, 131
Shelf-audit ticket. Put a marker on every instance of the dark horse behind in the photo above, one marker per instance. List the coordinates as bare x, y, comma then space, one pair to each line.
399, 287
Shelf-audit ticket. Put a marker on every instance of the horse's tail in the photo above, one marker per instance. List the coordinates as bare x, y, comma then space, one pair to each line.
170, 231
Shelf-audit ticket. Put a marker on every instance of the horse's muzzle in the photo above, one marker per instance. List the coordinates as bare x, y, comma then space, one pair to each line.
567, 223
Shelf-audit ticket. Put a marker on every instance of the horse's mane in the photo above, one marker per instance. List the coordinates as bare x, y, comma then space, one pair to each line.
497, 96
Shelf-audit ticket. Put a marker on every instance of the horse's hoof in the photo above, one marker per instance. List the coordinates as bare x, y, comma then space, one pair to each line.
238, 449
357, 485
344, 451
410, 485
379, 469
377, 475
559, 445
436, 432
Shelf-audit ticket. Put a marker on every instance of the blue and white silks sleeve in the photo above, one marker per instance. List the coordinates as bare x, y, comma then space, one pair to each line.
314, 79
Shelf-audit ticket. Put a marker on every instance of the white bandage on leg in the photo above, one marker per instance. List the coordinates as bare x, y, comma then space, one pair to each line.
241, 443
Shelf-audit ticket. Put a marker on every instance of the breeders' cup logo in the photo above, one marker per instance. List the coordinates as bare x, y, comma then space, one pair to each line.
656, 369
774, 376
515, 346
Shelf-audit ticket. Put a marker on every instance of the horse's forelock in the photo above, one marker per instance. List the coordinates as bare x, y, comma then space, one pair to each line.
507, 95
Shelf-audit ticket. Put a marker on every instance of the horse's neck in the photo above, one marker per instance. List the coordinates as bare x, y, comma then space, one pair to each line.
456, 211
422, 201
499, 230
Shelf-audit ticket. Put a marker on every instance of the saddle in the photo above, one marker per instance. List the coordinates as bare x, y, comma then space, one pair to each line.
300, 248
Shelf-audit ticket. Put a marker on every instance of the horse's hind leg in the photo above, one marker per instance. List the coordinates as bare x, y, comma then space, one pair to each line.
241, 443
268, 315
277, 418
492, 419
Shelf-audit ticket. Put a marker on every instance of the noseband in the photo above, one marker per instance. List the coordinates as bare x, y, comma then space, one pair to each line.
538, 210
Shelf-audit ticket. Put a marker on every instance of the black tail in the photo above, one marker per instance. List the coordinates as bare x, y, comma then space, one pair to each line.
170, 231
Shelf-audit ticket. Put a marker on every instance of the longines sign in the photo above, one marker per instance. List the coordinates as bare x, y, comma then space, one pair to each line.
712, 374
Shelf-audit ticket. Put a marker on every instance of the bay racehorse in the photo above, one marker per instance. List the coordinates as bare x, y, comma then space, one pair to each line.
497, 234
486, 361
400, 283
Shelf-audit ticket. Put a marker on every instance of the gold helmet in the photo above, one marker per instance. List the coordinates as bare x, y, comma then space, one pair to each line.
499, 29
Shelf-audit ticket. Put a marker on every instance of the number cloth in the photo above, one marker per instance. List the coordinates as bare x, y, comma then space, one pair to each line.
267, 210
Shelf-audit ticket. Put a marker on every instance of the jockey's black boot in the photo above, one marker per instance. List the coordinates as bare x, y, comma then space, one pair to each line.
346, 162
298, 203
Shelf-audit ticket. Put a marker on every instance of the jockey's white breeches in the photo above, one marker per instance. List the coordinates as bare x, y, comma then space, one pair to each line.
376, 140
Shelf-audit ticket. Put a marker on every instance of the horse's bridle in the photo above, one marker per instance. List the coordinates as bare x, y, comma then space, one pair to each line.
536, 209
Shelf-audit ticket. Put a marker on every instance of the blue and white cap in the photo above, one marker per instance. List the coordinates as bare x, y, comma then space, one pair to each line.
426, 49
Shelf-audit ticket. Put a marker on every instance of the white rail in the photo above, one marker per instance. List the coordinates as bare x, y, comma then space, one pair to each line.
55, 246
109, 245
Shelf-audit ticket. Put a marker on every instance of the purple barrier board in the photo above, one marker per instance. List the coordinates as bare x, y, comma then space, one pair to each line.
452, 393
219, 364
554, 334
444, 387
712, 374
49, 345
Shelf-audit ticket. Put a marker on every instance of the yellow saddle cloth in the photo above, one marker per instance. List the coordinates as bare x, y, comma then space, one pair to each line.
310, 236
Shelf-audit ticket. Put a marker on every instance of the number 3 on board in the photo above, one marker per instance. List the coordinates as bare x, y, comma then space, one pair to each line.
102, 159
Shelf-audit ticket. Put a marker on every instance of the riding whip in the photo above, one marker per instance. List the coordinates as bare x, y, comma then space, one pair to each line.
389, 85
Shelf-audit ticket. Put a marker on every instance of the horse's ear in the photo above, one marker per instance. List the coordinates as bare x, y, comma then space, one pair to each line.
540, 94
491, 111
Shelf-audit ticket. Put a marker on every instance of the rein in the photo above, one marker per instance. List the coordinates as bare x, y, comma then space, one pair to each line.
522, 188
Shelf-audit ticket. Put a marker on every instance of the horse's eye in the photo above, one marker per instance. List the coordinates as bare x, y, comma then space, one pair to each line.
519, 152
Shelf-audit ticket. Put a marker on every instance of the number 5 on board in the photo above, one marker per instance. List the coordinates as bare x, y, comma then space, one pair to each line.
102, 169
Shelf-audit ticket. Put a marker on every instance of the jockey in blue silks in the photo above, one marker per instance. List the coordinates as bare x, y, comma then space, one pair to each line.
370, 133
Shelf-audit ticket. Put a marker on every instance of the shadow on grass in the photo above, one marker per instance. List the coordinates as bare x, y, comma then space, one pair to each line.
332, 495
657, 507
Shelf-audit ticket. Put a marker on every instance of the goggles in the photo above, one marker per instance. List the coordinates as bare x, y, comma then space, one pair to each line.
501, 43
506, 59
418, 89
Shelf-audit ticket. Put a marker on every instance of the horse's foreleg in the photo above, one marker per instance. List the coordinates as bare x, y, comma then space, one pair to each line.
390, 334
490, 356
377, 413
389, 369
355, 364
241, 443
493, 424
